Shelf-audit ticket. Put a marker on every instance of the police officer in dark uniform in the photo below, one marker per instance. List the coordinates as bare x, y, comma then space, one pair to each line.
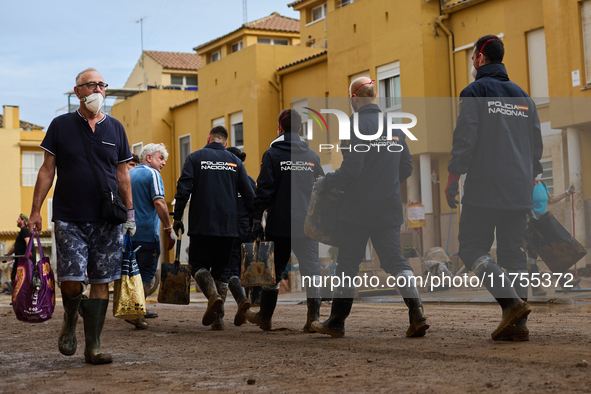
497, 143
212, 177
231, 274
371, 207
288, 171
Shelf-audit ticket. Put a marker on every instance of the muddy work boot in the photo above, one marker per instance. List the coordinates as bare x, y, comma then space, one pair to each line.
567, 284
314, 300
410, 294
207, 285
67, 339
222, 288
342, 303
499, 285
263, 317
241, 299
94, 310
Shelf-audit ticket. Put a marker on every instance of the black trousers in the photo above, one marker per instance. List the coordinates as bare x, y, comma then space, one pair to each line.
233, 267
477, 232
352, 240
210, 252
305, 249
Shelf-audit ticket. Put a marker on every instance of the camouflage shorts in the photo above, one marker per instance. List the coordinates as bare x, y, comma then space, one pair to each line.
93, 248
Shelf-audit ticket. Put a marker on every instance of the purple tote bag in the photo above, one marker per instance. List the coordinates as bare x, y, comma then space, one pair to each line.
33, 297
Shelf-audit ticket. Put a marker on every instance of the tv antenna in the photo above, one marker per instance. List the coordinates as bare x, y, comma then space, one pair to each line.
141, 22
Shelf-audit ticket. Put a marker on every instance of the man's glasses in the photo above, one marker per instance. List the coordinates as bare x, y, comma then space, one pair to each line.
93, 85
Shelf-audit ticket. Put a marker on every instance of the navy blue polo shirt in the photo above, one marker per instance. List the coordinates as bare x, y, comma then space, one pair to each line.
76, 197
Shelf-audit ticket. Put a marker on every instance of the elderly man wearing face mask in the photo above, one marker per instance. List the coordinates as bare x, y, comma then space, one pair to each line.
85, 242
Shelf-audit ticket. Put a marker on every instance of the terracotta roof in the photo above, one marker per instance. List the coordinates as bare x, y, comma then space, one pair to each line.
185, 103
295, 3
176, 60
302, 60
273, 22
23, 125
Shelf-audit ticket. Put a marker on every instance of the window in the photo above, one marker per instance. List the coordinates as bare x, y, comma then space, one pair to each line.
215, 56
342, 3
236, 46
273, 41
307, 125
319, 13
49, 213
218, 122
586, 16
137, 148
191, 80
176, 80
538, 70
547, 175
32, 161
237, 131
183, 80
389, 87
470, 64
184, 149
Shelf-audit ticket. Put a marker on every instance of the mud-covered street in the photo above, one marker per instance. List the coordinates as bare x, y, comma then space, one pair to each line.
178, 354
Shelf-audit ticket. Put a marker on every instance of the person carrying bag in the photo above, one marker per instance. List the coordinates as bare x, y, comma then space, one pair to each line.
33, 297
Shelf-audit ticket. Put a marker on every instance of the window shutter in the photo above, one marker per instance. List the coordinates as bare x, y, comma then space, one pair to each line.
586, 15
538, 67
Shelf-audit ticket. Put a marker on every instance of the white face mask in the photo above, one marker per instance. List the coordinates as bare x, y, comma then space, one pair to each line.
474, 72
94, 102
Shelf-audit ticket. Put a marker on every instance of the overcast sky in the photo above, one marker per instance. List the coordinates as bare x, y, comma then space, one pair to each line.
44, 44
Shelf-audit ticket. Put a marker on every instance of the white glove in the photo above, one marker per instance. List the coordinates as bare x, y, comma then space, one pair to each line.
171, 237
570, 190
129, 226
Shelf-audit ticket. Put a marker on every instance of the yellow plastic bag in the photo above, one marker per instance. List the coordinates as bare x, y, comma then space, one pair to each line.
129, 301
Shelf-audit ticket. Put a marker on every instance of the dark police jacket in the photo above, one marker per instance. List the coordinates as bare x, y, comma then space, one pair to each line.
497, 142
213, 177
243, 213
370, 180
288, 172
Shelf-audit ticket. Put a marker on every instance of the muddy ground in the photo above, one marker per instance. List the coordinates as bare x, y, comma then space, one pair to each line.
178, 354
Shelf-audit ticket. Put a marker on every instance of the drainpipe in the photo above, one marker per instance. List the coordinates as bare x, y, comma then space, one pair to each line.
279, 88
452, 67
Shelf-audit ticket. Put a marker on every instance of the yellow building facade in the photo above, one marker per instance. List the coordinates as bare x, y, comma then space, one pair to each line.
20, 142
418, 52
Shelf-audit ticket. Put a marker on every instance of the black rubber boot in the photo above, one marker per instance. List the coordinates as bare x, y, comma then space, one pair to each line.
207, 285
149, 314
263, 317
410, 294
314, 300
241, 299
255, 296
94, 310
532, 268
67, 339
222, 288
342, 303
499, 285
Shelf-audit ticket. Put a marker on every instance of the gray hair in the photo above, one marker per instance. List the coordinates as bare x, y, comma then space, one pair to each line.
82, 72
150, 149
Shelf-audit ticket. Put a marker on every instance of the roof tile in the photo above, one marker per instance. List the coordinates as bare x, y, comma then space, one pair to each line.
176, 60
273, 22
23, 125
